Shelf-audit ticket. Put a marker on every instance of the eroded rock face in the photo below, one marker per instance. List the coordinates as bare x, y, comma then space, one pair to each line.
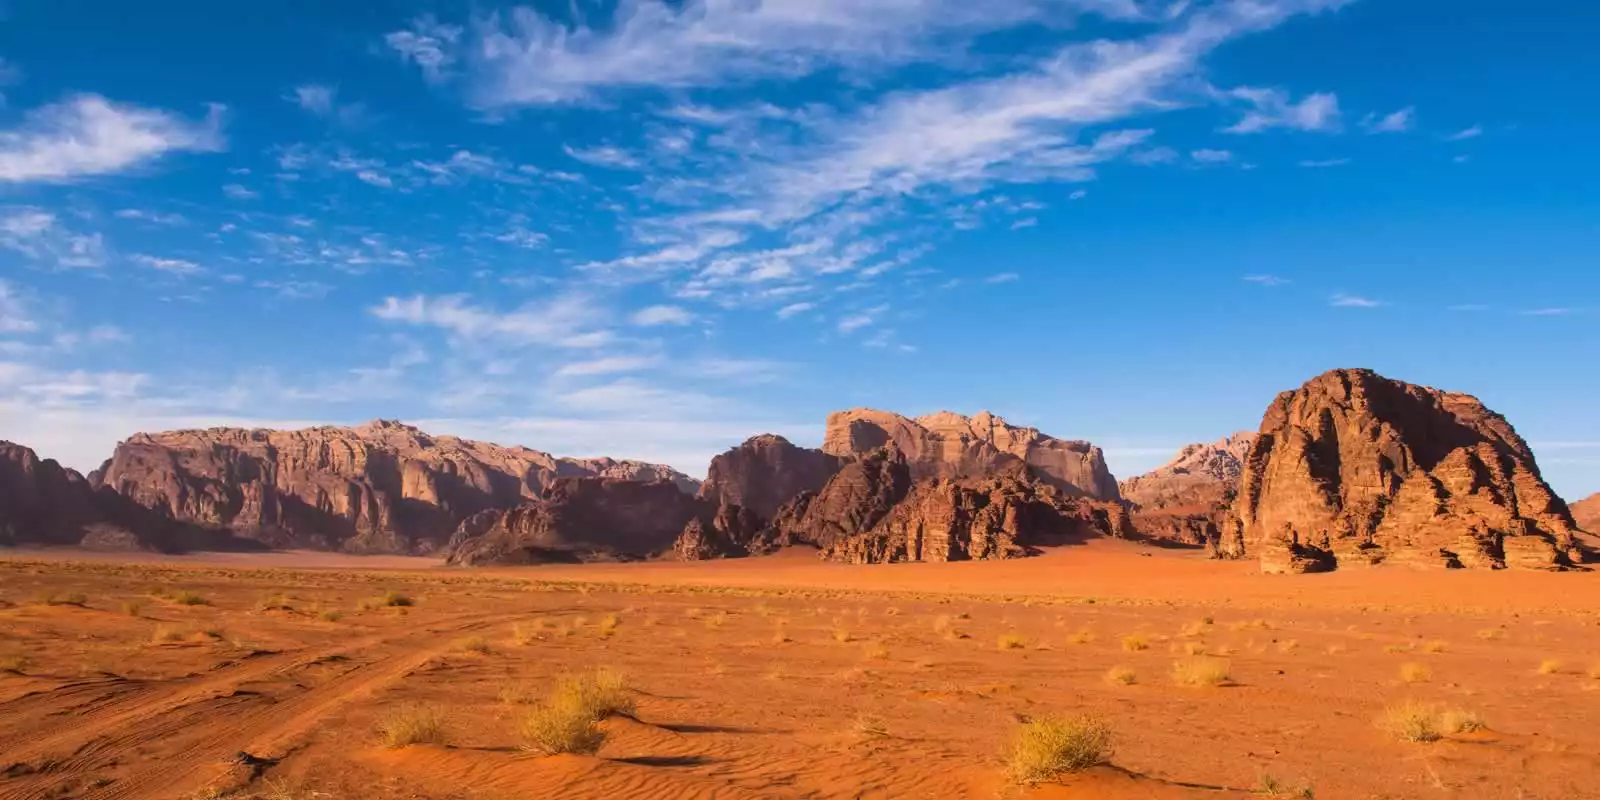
874, 512
578, 519
765, 472
946, 445
1355, 469
382, 487
1186, 500
1587, 513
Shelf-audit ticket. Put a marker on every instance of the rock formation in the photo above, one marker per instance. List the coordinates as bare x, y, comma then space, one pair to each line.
946, 445
765, 472
873, 511
382, 487
578, 519
1587, 513
1186, 499
1354, 469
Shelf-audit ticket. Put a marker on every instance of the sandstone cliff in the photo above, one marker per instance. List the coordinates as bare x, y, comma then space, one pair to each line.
1587, 513
1354, 468
946, 445
578, 519
873, 511
765, 472
382, 487
1186, 499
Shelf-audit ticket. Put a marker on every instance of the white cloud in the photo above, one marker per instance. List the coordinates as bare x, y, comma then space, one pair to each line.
239, 192
174, 266
567, 321
604, 156
153, 217
1207, 156
522, 57
1465, 134
1266, 280
39, 235
611, 365
1548, 312
662, 315
1330, 162
1274, 109
375, 178
1078, 194
1025, 222
795, 308
15, 316
1003, 277
854, 322
1343, 300
323, 101
1396, 122
88, 135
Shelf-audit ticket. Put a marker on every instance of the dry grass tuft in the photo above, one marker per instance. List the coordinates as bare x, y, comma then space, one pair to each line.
1080, 637
1456, 720
1122, 676
330, 615
608, 625
276, 602
877, 651
870, 726
567, 720
133, 608
1271, 786
841, 635
474, 644
1134, 642
188, 598
1044, 749
1412, 672
1435, 646
78, 599
1415, 721
1011, 641
1200, 672
1549, 666
412, 724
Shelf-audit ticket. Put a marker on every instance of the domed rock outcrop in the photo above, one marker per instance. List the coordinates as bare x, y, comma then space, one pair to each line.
1357, 469
382, 487
1186, 499
946, 445
765, 472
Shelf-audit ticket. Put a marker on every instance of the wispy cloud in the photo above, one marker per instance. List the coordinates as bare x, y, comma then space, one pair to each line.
427, 43
172, 266
1548, 312
1343, 300
795, 308
153, 217
1266, 280
1208, 156
41, 236
1003, 277
88, 135
323, 101
604, 156
1274, 109
567, 321
1331, 162
15, 315
610, 365
1465, 134
851, 323
239, 192
1395, 122
661, 315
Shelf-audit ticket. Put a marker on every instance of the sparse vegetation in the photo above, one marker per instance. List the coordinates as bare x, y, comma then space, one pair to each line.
1134, 642
1550, 666
1271, 786
475, 644
394, 599
1202, 671
1456, 720
1122, 676
133, 608
870, 726
412, 724
185, 597
1412, 672
1011, 641
1080, 637
330, 615
566, 721
1435, 646
608, 625
274, 603
877, 651
78, 599
841, 635
1044, 749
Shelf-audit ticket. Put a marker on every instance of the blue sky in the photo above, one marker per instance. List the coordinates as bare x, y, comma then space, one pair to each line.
651, 230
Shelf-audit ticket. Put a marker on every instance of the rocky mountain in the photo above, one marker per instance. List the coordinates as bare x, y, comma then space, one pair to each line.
579, 519
382, 487
947, 445
765, 472
1186, 499
874, 511
1355, 469
1587, 513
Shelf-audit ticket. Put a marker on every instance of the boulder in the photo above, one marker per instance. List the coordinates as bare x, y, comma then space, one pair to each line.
1355, 469
950, 446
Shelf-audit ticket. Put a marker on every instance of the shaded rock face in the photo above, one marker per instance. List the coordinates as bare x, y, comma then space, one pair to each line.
1587, 513
1355, 469
579, 519
44, 503
1186, 500
874, 512
946, 445
765, 472
377, 488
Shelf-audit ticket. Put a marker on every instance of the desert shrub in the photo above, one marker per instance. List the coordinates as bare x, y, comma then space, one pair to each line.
185, 597
1271, 786
475, 644
870, 726
1134, 642
1046, 748
841, 635
274, 603
558, 726
132, 608
394, 599
877, 651
1080, 637
608, 625
1435, 646
1011, 641
1411, 721
330, 615
70, 599
1200, 671
1122, 676
411, 724
1549, 666
1411, 672
166, 635
1456, 720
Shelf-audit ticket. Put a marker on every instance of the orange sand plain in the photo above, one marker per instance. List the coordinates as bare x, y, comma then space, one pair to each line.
785, 677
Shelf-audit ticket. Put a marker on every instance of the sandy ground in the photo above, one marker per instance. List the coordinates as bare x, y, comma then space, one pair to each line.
785, 677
